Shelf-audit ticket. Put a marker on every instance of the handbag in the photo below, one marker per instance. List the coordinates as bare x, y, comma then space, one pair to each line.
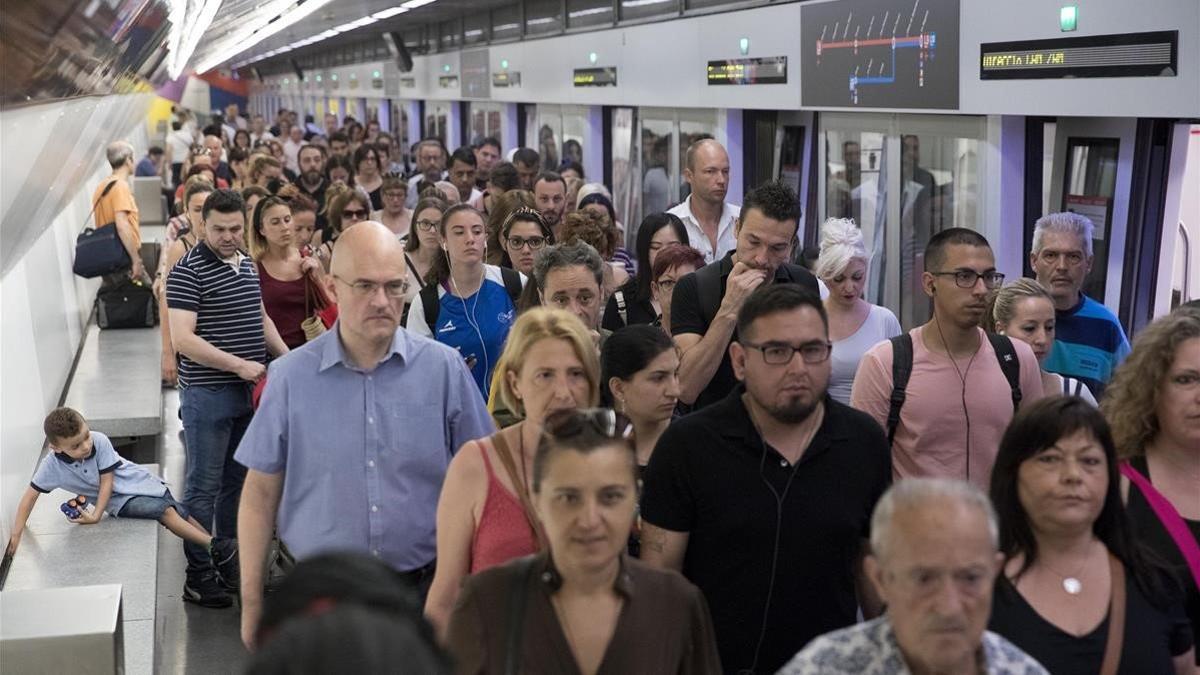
127, 304
316, 323
99, 250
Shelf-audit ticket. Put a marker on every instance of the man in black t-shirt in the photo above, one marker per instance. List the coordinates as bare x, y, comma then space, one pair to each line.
764, 499
705, 304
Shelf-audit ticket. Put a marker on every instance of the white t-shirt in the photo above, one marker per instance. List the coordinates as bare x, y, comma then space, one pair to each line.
879, 325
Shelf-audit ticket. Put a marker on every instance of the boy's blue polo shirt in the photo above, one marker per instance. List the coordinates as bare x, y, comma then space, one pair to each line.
82, 477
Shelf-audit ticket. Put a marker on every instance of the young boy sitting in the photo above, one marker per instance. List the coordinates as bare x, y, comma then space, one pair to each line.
84, 462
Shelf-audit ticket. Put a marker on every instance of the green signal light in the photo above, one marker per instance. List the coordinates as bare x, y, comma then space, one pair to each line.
1068, 17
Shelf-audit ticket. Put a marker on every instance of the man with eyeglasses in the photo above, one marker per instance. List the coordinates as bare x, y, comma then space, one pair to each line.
351, 442
764, 499
959, 397
1089, 342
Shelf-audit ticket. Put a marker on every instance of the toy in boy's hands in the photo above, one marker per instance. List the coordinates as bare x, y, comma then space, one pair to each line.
70, 509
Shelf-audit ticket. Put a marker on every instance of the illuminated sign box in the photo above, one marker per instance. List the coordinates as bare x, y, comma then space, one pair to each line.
1154, 54
768, 70
506, 79
448, 81
595, 77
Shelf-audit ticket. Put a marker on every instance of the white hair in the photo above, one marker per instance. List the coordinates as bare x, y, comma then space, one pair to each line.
841, 242
913, 492
1067, 222
118, 152
589, 189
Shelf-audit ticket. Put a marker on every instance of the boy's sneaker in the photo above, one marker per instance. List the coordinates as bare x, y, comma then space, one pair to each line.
206, 591
224, 554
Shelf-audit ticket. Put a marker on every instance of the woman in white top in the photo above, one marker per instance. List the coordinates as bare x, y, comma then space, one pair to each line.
1023, 309
855, 325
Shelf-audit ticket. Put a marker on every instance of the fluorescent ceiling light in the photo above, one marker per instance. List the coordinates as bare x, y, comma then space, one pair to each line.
642, 3
413, 4
389, 13
232, 47
540, 21
588, 12
186, 30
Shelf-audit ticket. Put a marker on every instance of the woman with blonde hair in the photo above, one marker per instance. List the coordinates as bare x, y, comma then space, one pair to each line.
1153, 407
1023, 309
855, 325
484, 516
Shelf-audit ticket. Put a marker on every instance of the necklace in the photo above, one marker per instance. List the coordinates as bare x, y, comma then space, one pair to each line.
1071, 583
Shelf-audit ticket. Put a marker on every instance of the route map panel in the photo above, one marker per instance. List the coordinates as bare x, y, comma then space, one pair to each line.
880, 54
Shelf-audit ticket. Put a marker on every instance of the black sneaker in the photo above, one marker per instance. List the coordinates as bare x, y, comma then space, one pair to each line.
224, 553
206, 591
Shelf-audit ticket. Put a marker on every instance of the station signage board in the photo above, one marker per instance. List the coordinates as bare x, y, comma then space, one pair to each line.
759, 70
1152, 54
506, 79
595, 77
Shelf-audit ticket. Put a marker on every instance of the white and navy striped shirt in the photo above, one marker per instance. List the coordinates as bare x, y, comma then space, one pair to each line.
228, 307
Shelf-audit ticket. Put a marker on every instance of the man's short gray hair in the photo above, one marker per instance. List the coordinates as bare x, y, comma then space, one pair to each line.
911, 492
1066, 222
118, 153
567, 255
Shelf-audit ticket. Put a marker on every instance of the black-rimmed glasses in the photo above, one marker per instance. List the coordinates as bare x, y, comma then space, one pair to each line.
968, 278
781, 353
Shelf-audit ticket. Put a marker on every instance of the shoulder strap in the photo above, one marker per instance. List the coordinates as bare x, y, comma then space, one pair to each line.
432, 305
1171, 521
95, 204
1006, 354
516, 617
512, 283
1116, 619
619, 296
902, 362
518, 482
708, 292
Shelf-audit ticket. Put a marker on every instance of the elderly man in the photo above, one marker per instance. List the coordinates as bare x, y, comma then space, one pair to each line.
934, 560
351, 442
1089, 342
570, 276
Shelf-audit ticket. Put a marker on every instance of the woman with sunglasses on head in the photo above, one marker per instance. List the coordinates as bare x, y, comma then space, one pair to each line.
634, 301
584, 605
484, 515
344, 206
1077, 591
467, 304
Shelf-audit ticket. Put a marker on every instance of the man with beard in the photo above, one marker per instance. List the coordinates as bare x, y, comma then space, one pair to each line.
311, 180
550, 196
487, 156
764, 499
705, 304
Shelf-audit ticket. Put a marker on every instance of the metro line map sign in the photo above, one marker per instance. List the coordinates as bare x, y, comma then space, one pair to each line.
879, 54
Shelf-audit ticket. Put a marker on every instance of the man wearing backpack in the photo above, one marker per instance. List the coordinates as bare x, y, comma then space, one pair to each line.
962, 387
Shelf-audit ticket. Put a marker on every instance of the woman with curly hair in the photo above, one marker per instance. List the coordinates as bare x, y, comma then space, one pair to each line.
1153, 406
597, 230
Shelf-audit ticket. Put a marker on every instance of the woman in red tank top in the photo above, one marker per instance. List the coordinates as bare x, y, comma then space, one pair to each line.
484, 518
283, 273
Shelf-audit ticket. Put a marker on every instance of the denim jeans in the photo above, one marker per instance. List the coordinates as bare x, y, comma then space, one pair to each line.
214, 419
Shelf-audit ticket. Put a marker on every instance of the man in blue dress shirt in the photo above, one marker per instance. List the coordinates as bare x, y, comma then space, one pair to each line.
355, 430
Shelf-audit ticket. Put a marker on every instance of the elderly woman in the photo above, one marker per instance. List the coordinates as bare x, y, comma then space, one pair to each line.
483, 518
855, 325
634, 301
1024, 310
1077, 592
1153, 405
583, 606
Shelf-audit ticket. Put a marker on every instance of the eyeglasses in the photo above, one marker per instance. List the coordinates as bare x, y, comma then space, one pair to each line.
968, 278
355, 214
1072, 258
367, 289
565, 424
534, 243
426, 225
781, 353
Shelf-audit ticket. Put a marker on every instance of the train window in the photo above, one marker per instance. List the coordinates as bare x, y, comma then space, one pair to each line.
506, 23
1089, 188
642, 9
450, 34
657, 148
582, 13
543, 16
703, 4
624, 155
574, 121
475, 28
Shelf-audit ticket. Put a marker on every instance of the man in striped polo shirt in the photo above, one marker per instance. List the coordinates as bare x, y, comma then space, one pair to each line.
1089, 342
222, 334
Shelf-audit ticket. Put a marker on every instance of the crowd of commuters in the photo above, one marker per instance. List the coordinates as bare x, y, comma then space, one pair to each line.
779, 480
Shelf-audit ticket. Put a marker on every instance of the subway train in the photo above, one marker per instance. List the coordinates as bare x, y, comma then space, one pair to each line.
910, 117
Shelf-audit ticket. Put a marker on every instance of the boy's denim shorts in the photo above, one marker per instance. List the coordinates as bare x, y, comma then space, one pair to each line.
151, 508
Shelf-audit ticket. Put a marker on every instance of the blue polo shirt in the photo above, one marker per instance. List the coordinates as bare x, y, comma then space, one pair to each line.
363, 453
82, 477
1089, 344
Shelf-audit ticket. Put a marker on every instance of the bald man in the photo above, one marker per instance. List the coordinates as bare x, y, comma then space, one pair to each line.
708, 218
355, 430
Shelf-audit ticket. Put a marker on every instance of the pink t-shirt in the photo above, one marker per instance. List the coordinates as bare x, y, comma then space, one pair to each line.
933, 437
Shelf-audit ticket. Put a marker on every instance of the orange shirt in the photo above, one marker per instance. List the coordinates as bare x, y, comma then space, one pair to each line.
119, 198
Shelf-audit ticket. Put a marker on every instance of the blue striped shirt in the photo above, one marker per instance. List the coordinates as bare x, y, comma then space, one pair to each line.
228, 307
1089, 344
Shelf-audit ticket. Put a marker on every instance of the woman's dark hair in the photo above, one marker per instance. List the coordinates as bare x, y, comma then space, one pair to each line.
1036, 427
582, 431
360, 155
599, 198
254, 191
238, 134
339, 161
522, 214
627, 352
413, 242
439, 270
651, 224
236, 154
571, 165
504, 176
197, 169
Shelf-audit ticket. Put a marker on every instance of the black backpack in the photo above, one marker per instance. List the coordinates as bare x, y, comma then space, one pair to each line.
902, 362
429, 296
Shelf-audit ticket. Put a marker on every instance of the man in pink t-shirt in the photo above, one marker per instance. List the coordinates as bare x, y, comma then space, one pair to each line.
958, 399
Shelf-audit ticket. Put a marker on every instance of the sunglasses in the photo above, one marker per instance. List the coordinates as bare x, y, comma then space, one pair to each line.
355, 214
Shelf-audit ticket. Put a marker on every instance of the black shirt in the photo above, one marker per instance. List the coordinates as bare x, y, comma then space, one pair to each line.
689, 316
708, 477
1152, 635
317, 195
636, 311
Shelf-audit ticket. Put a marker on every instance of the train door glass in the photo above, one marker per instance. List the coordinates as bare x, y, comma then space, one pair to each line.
549, 134
574, 132
694, 125
657, 167
626, 198
485, 122
1091, 183
437, 120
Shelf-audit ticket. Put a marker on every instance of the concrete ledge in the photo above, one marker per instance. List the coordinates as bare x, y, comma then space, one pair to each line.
75, 630
117, 384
